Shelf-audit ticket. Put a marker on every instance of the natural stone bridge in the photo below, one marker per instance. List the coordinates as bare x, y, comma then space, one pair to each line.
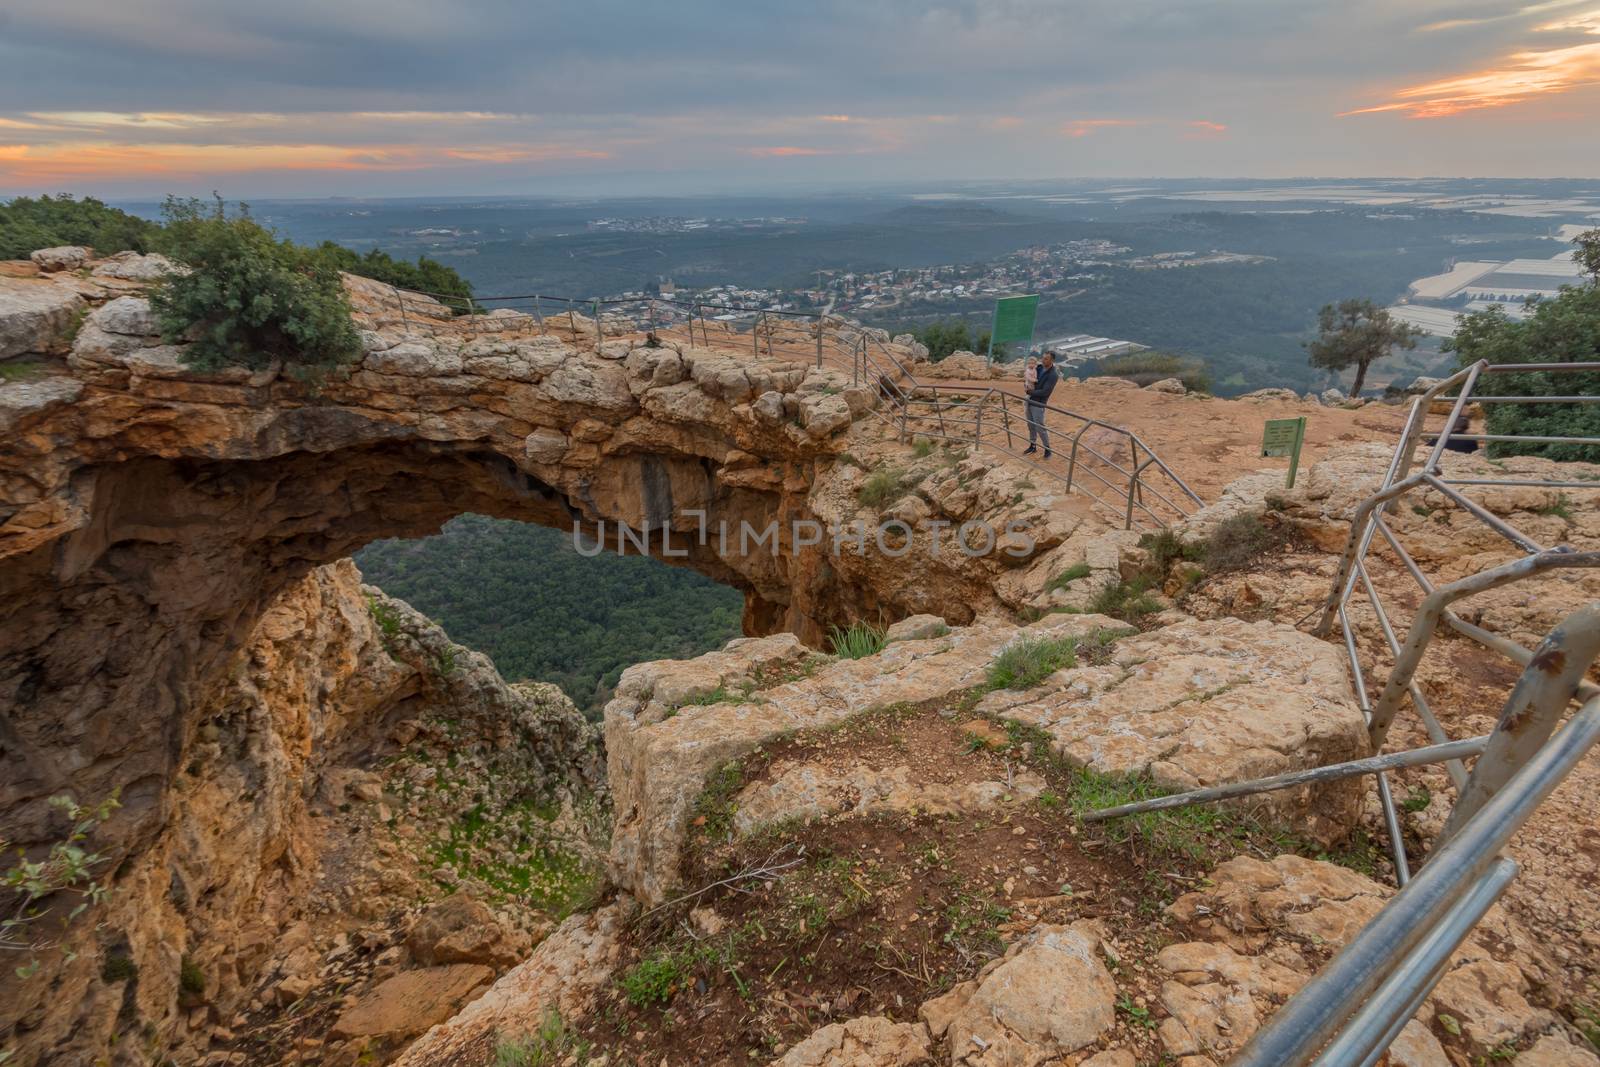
149, 513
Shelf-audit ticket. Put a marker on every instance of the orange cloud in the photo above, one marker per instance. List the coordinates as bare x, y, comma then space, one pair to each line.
1202, 128
33, 164
1520, 77
1084, 127
780, 151
835, 118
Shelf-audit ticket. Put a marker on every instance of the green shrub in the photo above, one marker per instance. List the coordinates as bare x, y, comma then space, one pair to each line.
28, 223
424, 276
1565, 329
655, 979
249, 298
191, 979
883, 487
67, 870
1238, 543
858, 640
1067, 577
1024, 664
1129, 601
117, 967
551, 1044
1145, 368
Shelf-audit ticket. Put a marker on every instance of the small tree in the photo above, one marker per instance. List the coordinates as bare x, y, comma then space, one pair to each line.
1588, 253
248, 297
1357, 333
67, 869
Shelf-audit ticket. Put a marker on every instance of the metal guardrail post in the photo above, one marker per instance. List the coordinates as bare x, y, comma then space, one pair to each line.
1432, 608
1332, 772
539, 315
1541, 694
599, 334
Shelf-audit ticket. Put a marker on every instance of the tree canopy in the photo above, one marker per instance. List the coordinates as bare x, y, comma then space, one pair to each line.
30, 223
1565, 329
1357, 333
944, 338
542, 611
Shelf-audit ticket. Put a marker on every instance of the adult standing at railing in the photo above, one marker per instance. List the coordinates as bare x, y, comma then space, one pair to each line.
1044, 383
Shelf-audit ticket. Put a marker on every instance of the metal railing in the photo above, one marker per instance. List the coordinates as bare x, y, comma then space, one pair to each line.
1351, 1011
1111, 465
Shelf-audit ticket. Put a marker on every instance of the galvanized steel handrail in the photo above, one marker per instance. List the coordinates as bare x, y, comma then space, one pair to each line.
916, 407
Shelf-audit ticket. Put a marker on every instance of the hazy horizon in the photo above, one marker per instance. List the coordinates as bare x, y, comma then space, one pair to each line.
404, 98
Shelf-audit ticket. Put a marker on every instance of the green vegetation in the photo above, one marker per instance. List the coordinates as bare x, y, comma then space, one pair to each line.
1147, 367
68, 868
945, 338
1025, 663
538, 869
1067, 577
1586, 1017
884, 486
249, 298
541, 611
29, 223
551, 1044
1561, 509
858, 640
424, 276
1563, 330
191, 979
20, 370
117, 967
1417, 799
1127, 599
1357, 333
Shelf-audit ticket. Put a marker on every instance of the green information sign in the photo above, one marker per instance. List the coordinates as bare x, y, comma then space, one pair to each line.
1013, 320
1283, 437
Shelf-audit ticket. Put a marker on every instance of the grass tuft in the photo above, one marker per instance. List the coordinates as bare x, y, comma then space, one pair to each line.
858, 640
1024, 664
548, 1046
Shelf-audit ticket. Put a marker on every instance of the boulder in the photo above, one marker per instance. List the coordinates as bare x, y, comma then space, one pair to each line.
869, 1041
411, 1001
1261, 396
133, 267
1168, 385
563, 975
35, 316
1051, 995
1330, 397
460, 929
64, 257
22, 400
917, 628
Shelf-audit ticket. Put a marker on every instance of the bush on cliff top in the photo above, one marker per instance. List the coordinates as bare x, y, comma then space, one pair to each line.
248, 297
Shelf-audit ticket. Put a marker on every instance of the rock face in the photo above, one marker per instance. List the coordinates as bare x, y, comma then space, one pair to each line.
1193, 703
1198, 703
152, 516
227, 849
1264, 928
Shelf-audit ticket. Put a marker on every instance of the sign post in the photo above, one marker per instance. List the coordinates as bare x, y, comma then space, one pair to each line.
1013, 321
1283, 437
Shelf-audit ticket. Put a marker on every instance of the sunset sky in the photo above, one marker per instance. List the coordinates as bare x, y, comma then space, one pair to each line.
400, 97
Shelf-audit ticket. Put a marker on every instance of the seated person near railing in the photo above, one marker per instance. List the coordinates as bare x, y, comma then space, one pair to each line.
1458, 444
1038, 394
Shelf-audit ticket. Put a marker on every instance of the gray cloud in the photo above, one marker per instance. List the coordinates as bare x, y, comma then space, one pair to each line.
675, 85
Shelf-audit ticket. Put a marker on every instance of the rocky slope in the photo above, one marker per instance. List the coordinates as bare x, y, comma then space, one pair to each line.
338, 829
